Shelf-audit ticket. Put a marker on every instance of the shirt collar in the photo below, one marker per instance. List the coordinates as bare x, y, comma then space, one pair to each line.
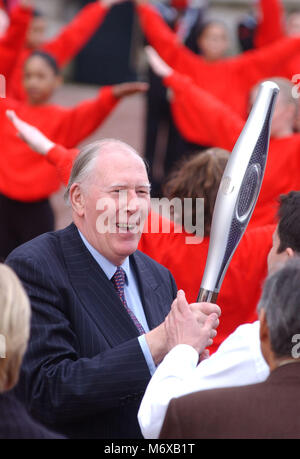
106, 265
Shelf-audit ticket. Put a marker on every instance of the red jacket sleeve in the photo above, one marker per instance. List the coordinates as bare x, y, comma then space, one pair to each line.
76, 34
270, 23
13, 41
256, 65
62, 159
200, 117
81, 121
167, 44
242, 72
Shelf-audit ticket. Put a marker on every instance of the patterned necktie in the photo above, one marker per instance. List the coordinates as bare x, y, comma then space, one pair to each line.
118, 280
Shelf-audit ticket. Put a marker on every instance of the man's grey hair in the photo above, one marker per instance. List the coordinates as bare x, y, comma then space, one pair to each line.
281, 302
84, 163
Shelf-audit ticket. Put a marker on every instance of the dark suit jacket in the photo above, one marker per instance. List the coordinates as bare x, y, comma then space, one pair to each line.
84, 373
267, 410
15, 423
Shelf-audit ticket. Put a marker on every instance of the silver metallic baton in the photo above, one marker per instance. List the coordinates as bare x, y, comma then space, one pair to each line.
238, 191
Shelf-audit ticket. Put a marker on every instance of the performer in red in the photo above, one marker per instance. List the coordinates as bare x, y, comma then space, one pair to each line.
274, 26
270, 23
12, 42
26, 179
273, 23
63, 47
199, 115
184, 254
231, 79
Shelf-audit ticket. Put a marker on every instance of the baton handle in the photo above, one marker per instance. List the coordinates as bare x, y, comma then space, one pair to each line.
207, 296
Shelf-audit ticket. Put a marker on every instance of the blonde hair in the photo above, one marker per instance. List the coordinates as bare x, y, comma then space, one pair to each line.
14, 326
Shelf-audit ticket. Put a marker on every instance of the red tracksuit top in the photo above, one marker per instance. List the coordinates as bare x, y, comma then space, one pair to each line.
64, 47
272, 28
242, 284
26, 176
230, 79
270, 23
12, 42
202, 118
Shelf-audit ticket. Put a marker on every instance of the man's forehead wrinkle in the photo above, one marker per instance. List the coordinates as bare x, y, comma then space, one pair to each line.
125, 184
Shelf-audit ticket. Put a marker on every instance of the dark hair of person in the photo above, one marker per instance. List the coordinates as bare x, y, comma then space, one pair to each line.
294, 10
289, 221
37, 13
246, 30
281, 302
198, 177
204, 25
48, 58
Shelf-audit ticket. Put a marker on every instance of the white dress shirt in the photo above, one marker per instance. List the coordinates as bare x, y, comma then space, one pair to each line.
237, 362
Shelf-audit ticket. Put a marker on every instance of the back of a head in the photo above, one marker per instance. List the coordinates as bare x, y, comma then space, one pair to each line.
198, 177
14, 326
281, 302
285, 90
289, 221
246, 30
285, 110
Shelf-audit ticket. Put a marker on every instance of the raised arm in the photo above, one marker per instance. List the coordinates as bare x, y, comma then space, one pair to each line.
77, 33
161, 37
241, 72
200, 117
59, 156
81, 121
13, 41
270, 22
267, 62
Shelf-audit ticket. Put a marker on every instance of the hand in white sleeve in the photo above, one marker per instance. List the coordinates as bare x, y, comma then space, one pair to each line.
157, 64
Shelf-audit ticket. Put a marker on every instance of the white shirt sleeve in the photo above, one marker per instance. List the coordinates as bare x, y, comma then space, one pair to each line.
237, 362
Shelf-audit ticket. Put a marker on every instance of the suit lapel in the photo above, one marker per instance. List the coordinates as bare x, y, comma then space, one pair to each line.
98, 296
95, 291
150, 290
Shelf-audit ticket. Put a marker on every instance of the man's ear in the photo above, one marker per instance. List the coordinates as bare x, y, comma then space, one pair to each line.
292, 111
264, 337
290, 252
263, 327
77, 199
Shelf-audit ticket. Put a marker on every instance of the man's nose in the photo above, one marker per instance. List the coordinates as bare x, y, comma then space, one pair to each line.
133, 203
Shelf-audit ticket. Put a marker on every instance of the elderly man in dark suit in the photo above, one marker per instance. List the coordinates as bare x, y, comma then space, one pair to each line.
98, 304
265, 410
